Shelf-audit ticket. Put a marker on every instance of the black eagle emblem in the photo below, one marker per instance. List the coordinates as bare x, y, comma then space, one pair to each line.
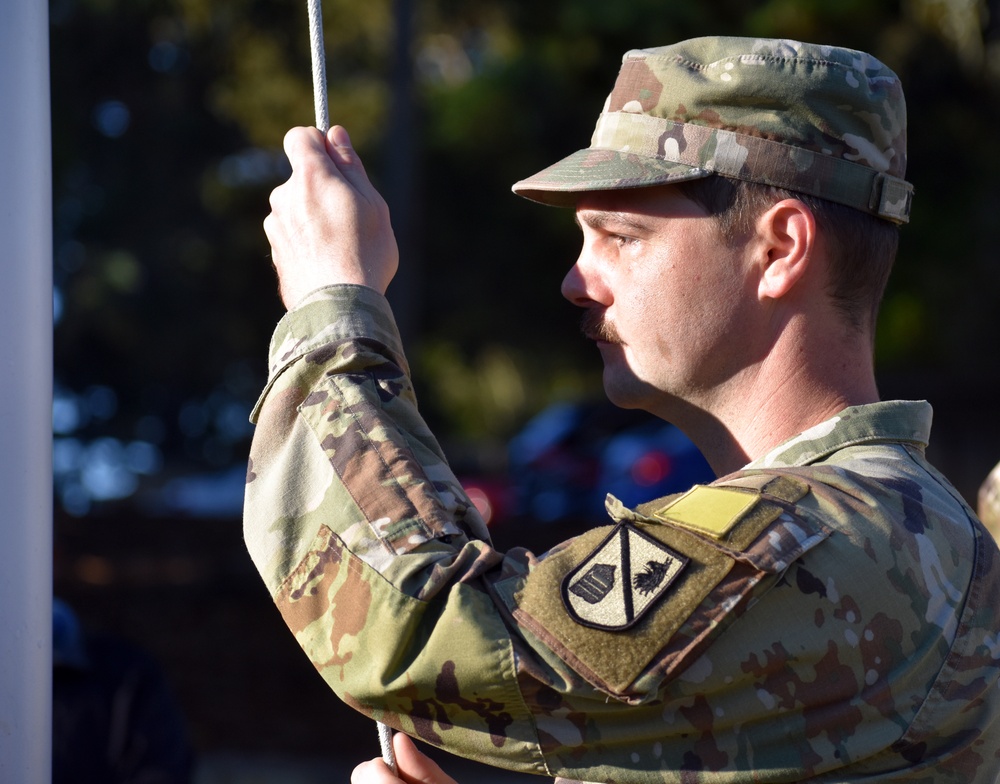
650, 578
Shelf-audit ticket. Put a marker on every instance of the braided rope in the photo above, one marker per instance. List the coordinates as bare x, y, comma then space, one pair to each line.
318, 64
385, 740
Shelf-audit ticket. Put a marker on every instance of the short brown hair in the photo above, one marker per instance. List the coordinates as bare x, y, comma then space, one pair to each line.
864, 246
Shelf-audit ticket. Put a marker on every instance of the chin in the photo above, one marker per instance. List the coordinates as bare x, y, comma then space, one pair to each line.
627, 391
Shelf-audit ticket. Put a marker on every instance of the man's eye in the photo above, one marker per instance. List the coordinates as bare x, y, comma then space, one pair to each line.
621, 240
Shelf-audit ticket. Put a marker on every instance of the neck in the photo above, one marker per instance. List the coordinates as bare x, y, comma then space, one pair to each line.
767, 403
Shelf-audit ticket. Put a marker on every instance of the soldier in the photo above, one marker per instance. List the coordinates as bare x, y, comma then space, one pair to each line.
827, 609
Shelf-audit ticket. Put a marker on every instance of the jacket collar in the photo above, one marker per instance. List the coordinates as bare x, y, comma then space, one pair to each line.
894, 421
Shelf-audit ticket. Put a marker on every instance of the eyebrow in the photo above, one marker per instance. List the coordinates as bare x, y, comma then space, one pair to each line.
611, 219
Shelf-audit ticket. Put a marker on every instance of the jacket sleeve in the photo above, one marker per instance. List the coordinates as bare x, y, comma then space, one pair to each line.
369, 546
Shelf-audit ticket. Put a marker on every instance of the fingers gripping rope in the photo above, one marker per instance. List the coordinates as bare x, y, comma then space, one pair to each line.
323, 123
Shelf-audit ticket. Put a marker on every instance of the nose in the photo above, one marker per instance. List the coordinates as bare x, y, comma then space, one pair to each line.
572, 285
582, 286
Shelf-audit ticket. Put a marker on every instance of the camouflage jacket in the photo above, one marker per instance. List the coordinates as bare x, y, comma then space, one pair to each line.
830, 613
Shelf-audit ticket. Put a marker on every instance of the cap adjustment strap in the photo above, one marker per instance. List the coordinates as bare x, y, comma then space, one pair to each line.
891, 198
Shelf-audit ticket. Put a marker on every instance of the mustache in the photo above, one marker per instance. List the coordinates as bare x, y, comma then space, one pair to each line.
595, 326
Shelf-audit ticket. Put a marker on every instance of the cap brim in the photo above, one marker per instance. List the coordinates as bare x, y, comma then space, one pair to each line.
589, 170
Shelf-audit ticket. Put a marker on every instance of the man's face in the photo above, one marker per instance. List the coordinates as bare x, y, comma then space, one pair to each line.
667, 302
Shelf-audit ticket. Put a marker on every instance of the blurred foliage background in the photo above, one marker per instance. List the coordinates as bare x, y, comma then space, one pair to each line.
168, 118
168, 121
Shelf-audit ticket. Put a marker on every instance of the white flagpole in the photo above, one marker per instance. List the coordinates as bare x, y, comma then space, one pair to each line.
25, 395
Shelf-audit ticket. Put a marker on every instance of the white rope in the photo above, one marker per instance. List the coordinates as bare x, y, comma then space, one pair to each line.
323, 123
385, 740
318, 64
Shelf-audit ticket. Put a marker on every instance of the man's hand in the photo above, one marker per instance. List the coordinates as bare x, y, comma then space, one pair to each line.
328, 224
414, 767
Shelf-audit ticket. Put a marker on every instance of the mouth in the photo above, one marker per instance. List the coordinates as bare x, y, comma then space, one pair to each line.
597, 328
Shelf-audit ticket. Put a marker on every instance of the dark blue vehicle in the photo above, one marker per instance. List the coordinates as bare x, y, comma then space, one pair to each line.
571, 455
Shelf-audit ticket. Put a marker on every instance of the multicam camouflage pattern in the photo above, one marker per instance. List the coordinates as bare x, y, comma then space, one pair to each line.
820, 120
844, 629
989, 502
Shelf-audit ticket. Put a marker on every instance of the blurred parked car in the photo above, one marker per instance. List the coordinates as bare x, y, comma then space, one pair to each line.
571, 455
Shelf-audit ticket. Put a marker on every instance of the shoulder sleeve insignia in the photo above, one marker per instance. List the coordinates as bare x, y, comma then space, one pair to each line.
675, 574
619, 581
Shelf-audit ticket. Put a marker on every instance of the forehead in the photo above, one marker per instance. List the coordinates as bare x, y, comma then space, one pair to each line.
637, 204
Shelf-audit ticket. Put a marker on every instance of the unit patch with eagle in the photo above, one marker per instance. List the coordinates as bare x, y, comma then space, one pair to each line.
622, 579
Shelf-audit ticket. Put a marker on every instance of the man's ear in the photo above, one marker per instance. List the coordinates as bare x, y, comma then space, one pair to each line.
786, 236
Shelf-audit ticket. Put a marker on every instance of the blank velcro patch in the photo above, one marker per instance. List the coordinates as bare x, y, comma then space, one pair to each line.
619, 581
710, 510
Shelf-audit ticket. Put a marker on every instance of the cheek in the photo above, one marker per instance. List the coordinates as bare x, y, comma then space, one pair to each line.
667, 294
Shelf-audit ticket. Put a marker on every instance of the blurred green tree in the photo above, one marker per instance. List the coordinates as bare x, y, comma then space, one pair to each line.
168, 117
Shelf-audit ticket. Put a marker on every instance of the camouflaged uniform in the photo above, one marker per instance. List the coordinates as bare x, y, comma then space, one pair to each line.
830, 613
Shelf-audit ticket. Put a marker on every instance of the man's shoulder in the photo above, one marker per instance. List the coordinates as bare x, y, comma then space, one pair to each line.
882, 485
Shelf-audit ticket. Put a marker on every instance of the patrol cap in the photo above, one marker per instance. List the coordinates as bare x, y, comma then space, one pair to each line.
819, 120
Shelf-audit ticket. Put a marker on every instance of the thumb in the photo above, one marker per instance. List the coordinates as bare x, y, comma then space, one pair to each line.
343, 154
415, 767
339, 137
